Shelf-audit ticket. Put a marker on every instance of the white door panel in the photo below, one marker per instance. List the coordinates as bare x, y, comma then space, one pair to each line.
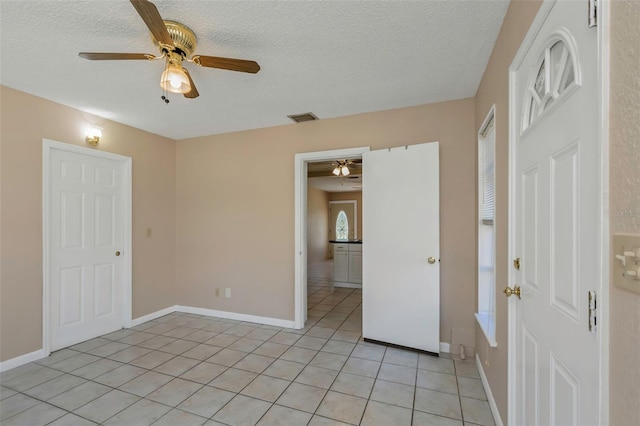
557, 222
401, 289
87, 229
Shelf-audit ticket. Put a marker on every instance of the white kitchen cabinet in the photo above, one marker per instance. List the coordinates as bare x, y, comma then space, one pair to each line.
347, 265
355, 267
340, 265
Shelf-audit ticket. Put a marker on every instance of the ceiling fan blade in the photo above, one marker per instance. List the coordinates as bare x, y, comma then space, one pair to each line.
194, 92
150, 15
227, 63
95, 56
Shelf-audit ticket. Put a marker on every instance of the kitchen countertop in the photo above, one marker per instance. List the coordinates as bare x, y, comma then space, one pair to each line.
346, 241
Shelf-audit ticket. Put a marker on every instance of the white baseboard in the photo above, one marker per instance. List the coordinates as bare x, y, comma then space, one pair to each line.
153, 315
445, 347
40, 353
487, 389
346, 285
236, 316
22, 360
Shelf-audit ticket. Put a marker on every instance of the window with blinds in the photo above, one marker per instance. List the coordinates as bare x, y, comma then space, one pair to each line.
486, 313
486, 157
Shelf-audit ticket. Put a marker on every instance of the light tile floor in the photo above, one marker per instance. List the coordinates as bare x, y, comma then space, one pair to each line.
185, 369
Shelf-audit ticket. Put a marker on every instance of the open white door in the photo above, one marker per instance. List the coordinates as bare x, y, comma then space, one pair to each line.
401, 271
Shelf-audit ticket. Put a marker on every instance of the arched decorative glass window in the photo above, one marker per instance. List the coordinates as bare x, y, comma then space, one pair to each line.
552, 78
342, 226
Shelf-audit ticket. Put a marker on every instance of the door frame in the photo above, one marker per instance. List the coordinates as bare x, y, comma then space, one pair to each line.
47, 147
300, 222
603, 62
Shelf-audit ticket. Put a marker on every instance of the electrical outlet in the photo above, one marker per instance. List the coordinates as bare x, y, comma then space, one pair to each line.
227, 292
217, 292
149, 231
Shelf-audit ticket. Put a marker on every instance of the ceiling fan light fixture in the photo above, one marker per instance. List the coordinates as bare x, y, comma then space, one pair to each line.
341, 170
175, 80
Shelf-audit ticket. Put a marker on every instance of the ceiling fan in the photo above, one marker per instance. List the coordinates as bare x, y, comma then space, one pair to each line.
176, 43
341, 167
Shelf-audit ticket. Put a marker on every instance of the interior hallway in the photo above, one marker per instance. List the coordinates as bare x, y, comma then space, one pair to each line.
185, 369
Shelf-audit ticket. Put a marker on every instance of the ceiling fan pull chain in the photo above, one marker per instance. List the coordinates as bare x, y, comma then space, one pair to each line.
165, 95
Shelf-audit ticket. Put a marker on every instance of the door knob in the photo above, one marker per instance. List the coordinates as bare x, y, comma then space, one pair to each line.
431, 260
511, 291
118, 253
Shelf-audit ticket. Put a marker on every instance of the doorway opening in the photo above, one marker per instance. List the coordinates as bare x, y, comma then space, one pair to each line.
302, 163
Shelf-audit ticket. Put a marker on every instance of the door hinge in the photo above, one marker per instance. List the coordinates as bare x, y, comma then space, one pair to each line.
593, 13
593, 311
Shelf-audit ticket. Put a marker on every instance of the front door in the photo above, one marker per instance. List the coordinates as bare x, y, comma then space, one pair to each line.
345, 228
401, 273
86, 243
557, 223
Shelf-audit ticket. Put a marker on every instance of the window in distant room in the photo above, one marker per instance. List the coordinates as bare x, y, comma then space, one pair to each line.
342, 226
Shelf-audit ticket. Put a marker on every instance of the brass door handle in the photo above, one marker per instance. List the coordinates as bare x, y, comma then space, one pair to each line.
118, 253
431, 260
516, 290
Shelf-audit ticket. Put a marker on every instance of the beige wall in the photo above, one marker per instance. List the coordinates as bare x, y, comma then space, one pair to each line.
625, 206
340, 196
26, 120
494, 89
317, 225
234, 230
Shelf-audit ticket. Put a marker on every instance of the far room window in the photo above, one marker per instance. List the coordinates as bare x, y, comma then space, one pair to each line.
486, 229
342, 226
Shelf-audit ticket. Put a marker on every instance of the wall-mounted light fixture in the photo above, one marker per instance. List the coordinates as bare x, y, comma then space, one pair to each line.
94, 133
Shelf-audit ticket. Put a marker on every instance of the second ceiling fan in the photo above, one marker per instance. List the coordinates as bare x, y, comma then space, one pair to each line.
176, 43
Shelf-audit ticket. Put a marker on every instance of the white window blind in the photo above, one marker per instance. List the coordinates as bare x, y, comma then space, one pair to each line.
487, 174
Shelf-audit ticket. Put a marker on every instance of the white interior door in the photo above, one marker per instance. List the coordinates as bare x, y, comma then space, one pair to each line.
86, 244
557, 221
400, 288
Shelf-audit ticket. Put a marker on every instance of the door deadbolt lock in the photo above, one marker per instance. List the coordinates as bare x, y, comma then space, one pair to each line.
431, 260
118, 253
511, 291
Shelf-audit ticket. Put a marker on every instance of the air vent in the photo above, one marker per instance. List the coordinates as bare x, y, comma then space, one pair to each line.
301, 118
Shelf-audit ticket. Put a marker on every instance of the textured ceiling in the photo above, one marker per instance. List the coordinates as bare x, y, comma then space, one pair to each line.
333, 58
321, 177
352, 183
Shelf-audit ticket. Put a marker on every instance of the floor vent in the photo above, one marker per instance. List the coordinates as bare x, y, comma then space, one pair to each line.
301, 118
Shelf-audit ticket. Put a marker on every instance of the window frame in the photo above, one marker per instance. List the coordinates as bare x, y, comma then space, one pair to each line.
486, 232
